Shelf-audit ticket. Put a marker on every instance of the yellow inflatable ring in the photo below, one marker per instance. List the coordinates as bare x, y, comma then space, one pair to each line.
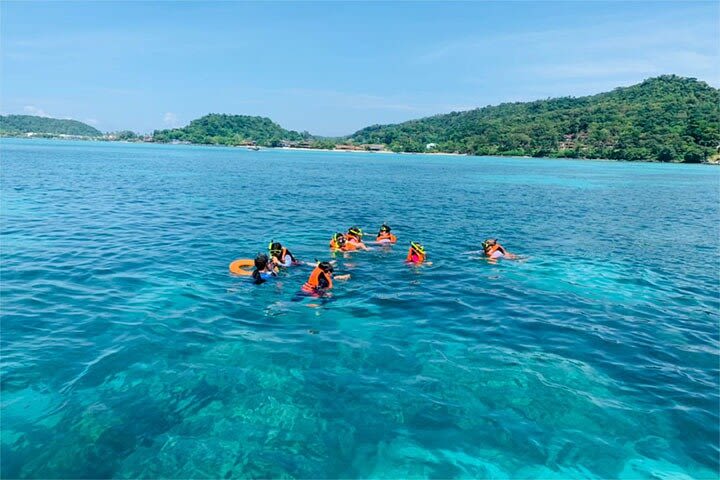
239, 267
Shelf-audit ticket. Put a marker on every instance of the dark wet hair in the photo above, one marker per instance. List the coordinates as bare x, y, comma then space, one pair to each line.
326, 267
261, 261
385, 228
275, 247
338, 237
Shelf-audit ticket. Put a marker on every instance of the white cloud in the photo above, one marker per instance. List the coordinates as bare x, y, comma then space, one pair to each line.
365, 101
608, 34
694, 62
170, 119
680, 62
361, 101
33, 110
602, 68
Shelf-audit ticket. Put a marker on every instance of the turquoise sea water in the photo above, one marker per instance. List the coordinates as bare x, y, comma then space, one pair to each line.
128, 350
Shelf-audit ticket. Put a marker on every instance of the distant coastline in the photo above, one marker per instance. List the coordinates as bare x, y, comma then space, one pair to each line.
711, 161
241, 147
667, 119
296, 149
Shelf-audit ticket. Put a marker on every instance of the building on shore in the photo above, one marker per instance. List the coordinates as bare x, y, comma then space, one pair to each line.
301, 144
374, 147
348, 147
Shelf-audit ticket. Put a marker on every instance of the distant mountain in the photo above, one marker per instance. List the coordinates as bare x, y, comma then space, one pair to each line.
220, 129
21, 124
668, 118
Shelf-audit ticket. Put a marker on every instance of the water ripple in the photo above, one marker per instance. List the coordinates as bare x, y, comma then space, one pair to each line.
129, 351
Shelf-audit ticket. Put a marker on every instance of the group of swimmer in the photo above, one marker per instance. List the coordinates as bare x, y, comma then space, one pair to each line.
321, 278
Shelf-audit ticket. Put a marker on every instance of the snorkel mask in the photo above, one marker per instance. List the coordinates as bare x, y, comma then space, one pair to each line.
339, 238
274, 248
417, 247
357, 231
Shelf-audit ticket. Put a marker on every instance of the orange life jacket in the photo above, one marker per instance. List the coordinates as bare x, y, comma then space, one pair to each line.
411, 253
313, 282
492, 249
386, 236
347, 247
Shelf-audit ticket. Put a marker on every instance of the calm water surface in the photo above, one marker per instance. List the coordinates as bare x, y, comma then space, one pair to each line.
128, 350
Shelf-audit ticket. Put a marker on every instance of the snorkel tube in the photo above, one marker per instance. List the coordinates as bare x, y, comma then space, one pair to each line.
416, 253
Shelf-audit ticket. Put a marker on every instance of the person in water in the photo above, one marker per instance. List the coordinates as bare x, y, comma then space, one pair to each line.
493, 249
321, 279
384, 235
338, 242
264, 269
416, 254
354, 237
281, 256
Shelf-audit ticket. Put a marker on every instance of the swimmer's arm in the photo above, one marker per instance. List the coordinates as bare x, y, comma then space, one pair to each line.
342, 277
508, 255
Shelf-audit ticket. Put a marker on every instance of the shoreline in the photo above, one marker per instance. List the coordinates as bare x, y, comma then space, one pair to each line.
384, 152
243, 147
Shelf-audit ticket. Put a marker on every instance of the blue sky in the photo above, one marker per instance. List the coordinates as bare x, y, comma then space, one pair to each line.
331, 67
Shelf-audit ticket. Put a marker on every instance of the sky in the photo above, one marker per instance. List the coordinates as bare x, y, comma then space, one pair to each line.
334, 67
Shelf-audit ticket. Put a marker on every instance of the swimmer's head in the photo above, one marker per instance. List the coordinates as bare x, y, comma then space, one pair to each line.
489, 243
326, 267
357, 231
261, 261
417, 247
339, 239
275, 248
385, 228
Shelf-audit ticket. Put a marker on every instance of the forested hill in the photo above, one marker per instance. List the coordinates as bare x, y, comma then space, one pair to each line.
221, 129
21, 124
668, 118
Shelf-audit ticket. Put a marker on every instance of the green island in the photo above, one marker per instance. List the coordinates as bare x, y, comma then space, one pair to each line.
666, 119
30, 125
221, 129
